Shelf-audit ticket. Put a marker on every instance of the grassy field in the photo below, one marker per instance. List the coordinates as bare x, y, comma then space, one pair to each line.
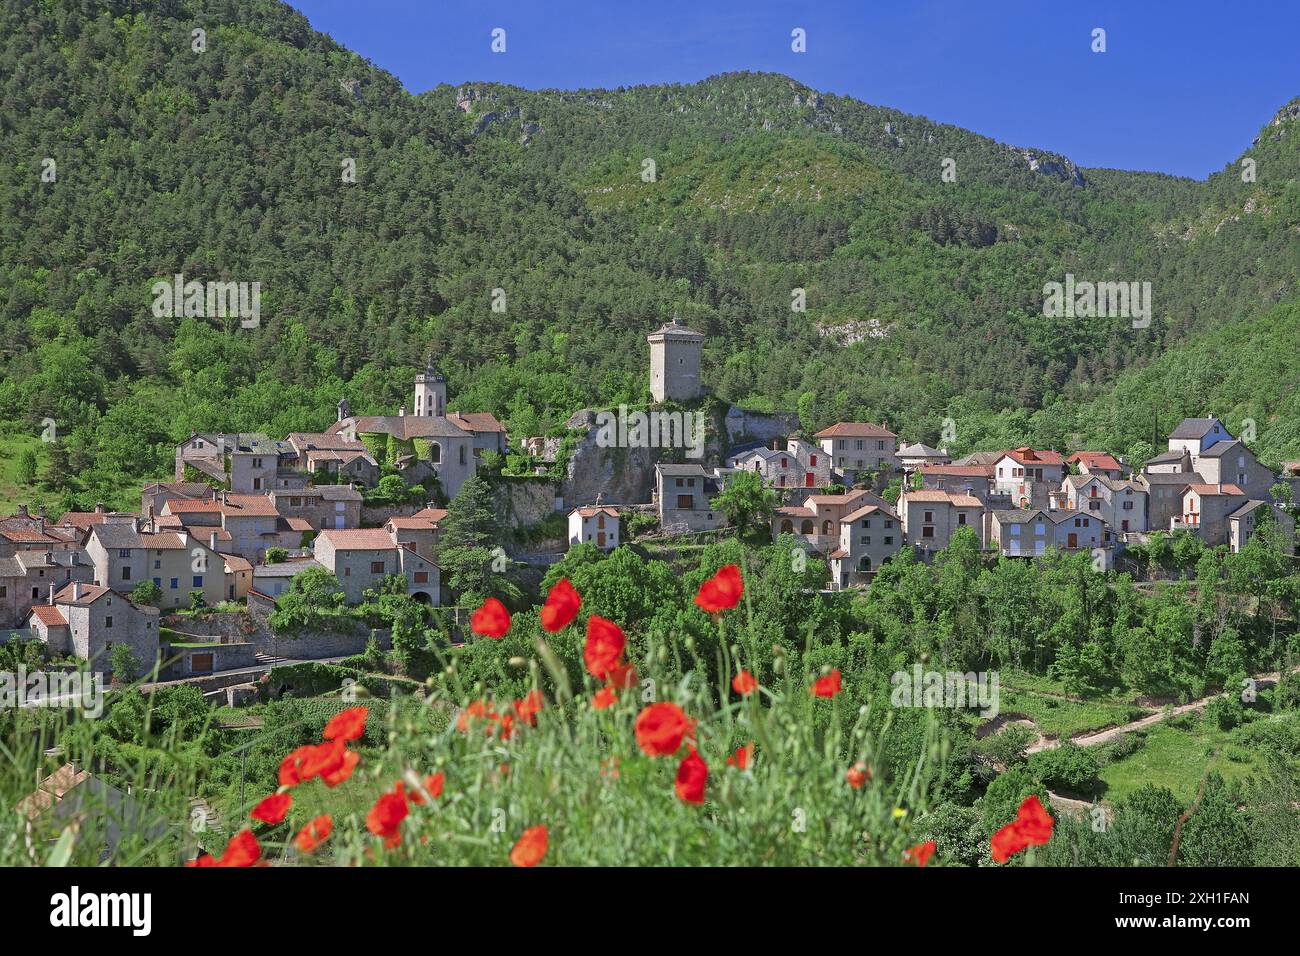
1058, 717
12, 494
1178, 759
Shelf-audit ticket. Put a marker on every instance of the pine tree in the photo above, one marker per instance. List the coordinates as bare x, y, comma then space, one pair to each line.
470, 533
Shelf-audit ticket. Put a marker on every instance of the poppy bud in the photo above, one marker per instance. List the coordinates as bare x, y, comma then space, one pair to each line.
516, 662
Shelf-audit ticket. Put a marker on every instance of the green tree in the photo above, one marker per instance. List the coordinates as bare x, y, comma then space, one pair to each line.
746, 501
314, 600
125, 667
26, 473
469, 533
146, 592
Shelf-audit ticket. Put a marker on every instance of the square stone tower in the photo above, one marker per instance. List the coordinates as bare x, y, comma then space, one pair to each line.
675, 362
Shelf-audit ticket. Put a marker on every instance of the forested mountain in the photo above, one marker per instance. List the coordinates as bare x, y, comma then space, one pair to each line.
924, 296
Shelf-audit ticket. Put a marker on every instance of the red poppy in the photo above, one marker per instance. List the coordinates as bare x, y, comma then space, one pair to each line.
386, 816
919, 854
660, 729
526, 709
432, 783
722, 591
744, 683
323, 760
561, 606
604, 698
1031, 827
506, 723
605, 643
347, 724
290, 766
531, 847
621, 676
272, 809
350, 760
742, 758
857, 775
491, 620
477, 709
827, 686
242, 850
692, 775
314, 833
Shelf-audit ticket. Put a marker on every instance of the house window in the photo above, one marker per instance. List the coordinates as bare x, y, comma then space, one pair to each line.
961, 517
156, 564
176, 582
4, 591
1015, 530
927, 532
462, 454
36, 593
812, 461
126, 573
108, 621
857, 445
376, 567
198, 580
435, 453
124, 552
880, 445
889, 539
347, 572
421, 577
158, 581
929, 516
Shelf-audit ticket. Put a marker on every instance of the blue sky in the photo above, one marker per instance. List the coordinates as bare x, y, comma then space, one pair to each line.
1182, 87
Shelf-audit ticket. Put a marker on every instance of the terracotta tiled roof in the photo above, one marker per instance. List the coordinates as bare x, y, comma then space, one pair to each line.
1217, 490
958, 471
477, 421
248, 506
1029, 456
412, 523
49, 615
434, 514
943, 497
592, 512
179, 506
863, 512
82, 519
164, 541
855, 430
358, 539
1095, 460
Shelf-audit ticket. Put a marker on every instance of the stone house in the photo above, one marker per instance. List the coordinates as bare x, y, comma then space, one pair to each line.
1096, 463
911, 457
489, 434
1242, 523
857, 447
419, 531
177, 561
1029, 532
361, 558
973, 480
1231, 462
1165, 495
87, 620
682, 496
26, 577
869, 536
1121, 504
817, 520
1206, 509
1197, 435
931, 518
320, 507
156, 494
597, 524
1028, 475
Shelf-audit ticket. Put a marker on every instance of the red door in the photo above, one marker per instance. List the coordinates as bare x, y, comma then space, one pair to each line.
1074, 540
808, 480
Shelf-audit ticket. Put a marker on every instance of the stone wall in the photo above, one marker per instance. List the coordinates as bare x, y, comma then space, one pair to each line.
523, 502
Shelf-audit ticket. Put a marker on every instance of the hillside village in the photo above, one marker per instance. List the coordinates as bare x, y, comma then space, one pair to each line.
245, 514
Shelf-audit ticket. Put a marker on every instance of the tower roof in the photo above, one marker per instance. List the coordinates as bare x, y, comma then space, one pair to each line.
430, 373
678, 329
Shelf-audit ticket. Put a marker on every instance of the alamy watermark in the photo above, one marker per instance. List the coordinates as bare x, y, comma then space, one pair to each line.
922, 688
1100, 300
656, 429
215, 300
73, 690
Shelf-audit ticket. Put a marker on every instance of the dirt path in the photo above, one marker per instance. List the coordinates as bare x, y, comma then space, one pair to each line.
1114, 733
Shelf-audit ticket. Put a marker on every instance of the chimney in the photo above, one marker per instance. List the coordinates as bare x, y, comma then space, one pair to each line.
22, 511
76, 590
212, 541
135, 523
149, 512
51, 593
99, 507
41, 511
401, 412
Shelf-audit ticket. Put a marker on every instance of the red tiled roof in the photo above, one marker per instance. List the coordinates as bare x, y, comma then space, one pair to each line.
358, 539
178, 506
1095, 460
82, 519
958, 471
248, 505
477, 421
855, 430
943, 497
49, 615
1217, 490
412, 523
1026, 455
436, 514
